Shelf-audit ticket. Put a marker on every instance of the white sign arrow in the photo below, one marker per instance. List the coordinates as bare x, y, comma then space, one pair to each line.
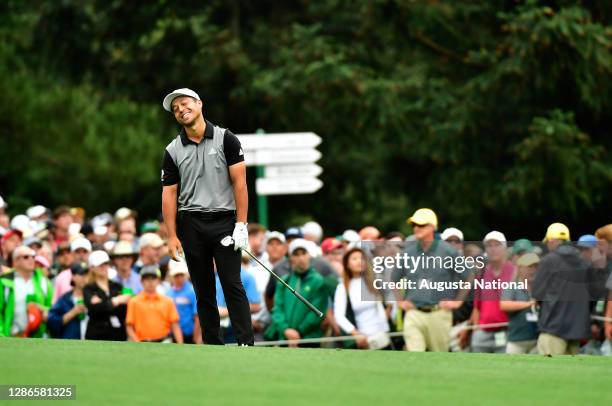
281, 156
286, 186
303, 170
252, 142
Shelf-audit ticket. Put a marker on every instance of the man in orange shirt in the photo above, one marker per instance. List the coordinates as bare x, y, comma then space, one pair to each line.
151, 316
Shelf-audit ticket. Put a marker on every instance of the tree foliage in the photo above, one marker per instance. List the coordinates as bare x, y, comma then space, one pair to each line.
493, 113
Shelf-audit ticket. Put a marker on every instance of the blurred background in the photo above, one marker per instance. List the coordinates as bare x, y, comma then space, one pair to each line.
496, 114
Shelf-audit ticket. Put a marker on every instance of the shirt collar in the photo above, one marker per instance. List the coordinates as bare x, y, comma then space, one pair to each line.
208, 133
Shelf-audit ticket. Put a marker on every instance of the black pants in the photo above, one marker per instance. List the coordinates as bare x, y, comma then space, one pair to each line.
201, 235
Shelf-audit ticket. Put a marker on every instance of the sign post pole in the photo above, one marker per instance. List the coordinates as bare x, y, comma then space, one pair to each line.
262, 200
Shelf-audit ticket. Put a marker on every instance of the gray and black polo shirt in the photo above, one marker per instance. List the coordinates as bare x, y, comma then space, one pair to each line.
201, 170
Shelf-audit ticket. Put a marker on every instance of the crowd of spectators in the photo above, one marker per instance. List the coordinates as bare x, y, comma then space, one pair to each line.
64, 275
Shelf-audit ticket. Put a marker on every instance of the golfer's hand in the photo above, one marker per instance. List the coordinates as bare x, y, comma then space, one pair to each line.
240, 236
360, 340
175, 249
450, 304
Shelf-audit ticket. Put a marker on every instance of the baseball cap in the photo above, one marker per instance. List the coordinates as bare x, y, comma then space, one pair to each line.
557, 231
495, 236
275, 235
150, 270
424, 216
293, 232
123, 213
2, 203
167, 103
313, 229
80, 242
32, 240
78, 269
11, 233
122, 248
43, 261
522, 246
177, 267
151, 240
451, 232
329, 244
297, 244
149, 227
587, 241
36, 211
98, 258
103, 219
528, 259
350, 236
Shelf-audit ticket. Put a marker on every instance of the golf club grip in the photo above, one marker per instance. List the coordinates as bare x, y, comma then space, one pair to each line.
309, 305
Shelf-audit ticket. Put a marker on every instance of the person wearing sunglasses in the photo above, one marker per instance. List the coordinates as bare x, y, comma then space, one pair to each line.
25, 297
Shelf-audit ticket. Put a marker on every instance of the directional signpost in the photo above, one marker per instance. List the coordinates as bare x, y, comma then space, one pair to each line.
285, 164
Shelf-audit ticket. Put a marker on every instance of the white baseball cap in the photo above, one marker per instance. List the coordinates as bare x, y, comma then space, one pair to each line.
312, 228
495, 236
98, 258
299, 243
36, 211
80, 242
275, 235
167, 103
151, 240
177, 267
451, 232
2, 203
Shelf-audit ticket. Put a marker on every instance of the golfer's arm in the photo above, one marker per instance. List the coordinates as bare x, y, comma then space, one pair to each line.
237, 174
169, 194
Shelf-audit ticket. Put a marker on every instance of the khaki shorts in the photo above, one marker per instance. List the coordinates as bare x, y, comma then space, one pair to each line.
522, 347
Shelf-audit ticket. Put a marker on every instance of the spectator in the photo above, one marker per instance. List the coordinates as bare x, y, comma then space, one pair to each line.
61, 221
68, 316
276, 249
333, 251
564, 286
428, 318
486, 301
257, 236
291, 319
63, 258
586, 244
369, 233
151, 316
10, 240
520, 247
604, 239
80, 249
395, 236
183, 295
522, 326
78, 215
250, 286
454, 237
25, 297
150, 251
358, 307
106, 305
123, 257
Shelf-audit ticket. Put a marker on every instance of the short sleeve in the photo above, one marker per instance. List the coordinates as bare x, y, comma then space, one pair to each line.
232, 149
129, 319
174, 316
508, 294
170, 172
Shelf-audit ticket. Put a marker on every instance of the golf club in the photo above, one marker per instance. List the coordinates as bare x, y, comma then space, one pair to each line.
227, 241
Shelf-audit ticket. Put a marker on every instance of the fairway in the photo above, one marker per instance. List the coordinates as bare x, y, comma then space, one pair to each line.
136, 373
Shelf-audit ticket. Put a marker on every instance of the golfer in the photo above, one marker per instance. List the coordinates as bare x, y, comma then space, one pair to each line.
205, 199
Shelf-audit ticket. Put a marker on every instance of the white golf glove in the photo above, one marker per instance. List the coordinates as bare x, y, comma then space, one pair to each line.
240, 236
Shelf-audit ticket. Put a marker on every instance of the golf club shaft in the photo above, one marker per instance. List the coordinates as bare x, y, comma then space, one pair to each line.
302, 298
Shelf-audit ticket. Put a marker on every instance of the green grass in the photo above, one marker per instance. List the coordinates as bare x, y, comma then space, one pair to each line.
132, 373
